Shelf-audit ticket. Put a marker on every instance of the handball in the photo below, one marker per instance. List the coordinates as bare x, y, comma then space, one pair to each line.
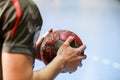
53, 41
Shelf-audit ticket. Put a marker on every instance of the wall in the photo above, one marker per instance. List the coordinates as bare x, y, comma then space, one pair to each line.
97, 22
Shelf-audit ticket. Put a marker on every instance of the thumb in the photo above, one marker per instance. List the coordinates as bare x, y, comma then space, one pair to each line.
39, 41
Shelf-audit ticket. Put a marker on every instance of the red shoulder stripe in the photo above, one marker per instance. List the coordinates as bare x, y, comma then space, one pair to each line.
18, 13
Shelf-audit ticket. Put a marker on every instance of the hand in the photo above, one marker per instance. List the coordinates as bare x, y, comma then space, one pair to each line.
72, 57
39, 42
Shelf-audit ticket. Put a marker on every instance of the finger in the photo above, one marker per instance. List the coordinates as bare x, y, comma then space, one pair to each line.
48, 32
84, 57
39, 41
81, 49
81, 57
69, 40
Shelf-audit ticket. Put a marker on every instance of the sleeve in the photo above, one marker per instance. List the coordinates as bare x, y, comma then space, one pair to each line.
21, 19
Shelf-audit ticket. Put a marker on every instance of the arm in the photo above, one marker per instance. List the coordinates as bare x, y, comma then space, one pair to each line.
19, 66
67, 58
16, 66
50, 71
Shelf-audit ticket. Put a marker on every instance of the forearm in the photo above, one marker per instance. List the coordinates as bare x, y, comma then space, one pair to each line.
50, 71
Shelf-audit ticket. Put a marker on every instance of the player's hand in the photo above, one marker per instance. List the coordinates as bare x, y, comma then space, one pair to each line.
72, 57
39, 42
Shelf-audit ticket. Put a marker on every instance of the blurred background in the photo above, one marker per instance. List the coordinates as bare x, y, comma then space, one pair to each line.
97, 23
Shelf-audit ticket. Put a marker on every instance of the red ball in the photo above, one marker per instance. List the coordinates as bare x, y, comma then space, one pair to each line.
53, 41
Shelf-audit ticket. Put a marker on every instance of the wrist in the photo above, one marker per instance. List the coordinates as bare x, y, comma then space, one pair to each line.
61, 62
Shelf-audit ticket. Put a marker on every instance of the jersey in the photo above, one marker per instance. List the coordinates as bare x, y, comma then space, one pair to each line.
19, 19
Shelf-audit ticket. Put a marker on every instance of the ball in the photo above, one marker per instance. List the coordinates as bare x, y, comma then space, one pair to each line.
53, 41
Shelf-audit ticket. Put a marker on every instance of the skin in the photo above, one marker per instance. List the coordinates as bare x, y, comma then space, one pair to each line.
19, 66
